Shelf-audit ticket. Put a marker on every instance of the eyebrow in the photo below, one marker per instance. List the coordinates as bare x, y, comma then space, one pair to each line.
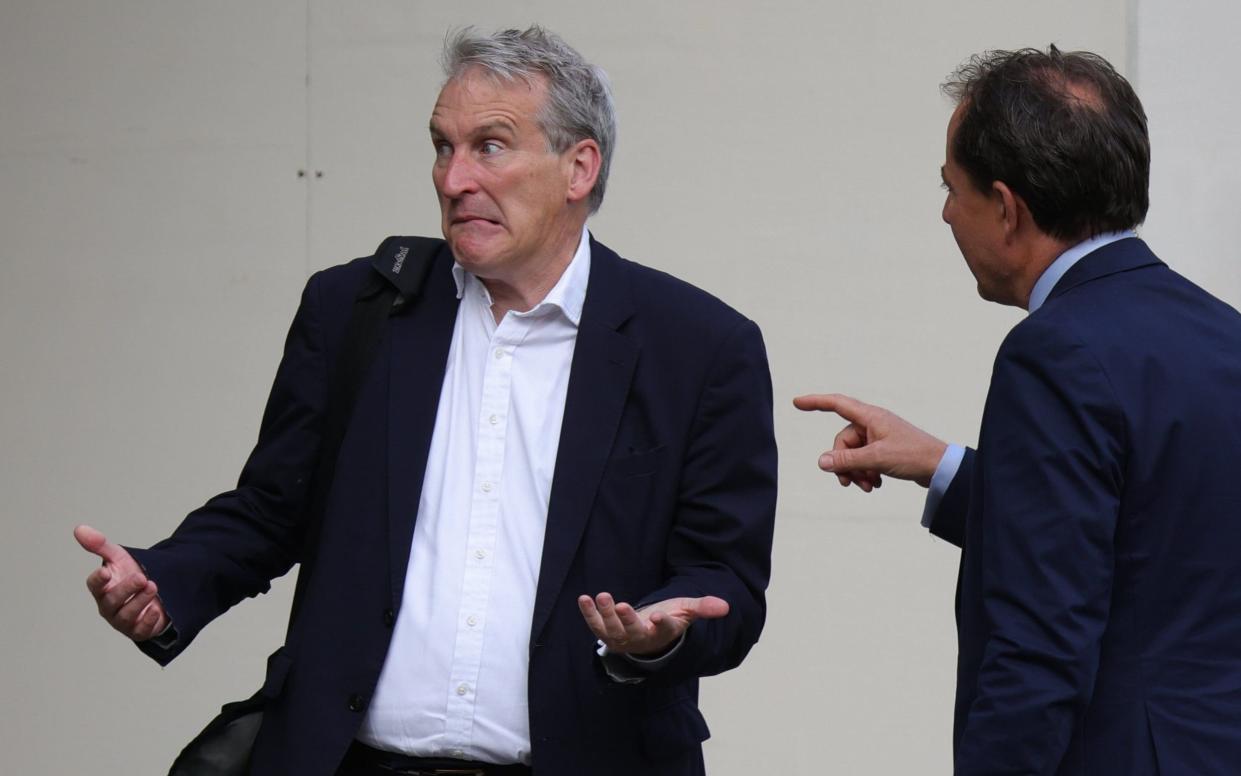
494, 127
486, 129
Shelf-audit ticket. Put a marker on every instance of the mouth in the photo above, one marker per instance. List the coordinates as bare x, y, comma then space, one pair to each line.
471, 219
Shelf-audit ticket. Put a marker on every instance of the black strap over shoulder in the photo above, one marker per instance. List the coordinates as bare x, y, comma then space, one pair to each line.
406, 262
402, 265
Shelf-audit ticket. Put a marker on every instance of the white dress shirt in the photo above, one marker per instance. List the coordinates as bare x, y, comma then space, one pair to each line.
454, 683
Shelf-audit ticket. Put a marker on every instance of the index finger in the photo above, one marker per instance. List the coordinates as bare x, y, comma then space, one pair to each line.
97, 581
590, 613
96, 543
845, 406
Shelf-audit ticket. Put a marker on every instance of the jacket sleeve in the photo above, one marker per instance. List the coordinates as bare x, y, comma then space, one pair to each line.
231, 547
721, 537
1052, 466
948, 522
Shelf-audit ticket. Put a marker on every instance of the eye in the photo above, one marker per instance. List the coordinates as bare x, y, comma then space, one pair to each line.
442, 150
489, 147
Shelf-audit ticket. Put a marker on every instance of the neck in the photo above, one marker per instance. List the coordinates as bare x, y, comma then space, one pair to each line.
531, 285
1040, 253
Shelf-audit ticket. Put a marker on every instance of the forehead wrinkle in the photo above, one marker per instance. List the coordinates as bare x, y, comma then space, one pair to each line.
536, 84
500, 122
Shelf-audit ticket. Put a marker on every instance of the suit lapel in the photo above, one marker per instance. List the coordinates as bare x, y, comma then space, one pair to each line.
417, 359
599, 380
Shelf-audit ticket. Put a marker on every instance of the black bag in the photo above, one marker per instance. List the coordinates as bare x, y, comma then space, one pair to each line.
401, 266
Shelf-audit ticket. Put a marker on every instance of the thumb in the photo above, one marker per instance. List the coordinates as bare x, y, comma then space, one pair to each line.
96, 543
707, 608
851, 459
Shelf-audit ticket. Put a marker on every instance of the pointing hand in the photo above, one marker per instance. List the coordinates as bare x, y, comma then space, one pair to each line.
125, 597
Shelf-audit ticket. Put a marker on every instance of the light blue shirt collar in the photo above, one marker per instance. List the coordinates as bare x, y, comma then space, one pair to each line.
1051, 276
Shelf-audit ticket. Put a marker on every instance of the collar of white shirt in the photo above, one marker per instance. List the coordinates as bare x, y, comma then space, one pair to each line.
567, 296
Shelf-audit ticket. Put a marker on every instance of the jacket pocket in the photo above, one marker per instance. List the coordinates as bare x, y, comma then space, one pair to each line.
673, 729
637, 464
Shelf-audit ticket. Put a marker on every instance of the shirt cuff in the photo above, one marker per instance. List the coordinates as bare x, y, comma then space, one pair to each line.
944, 473
631, 669
167, 638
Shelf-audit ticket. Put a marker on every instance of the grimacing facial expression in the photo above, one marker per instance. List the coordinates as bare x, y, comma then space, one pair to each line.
977, 225
503, 192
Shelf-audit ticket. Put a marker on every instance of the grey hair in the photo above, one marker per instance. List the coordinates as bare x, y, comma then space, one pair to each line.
579, 96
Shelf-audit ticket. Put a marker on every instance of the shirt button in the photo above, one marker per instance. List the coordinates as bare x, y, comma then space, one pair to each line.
499, 353
356, 702
486, 487
389, 617
459, 754
493, 420
480, 554
471, 621
462, 689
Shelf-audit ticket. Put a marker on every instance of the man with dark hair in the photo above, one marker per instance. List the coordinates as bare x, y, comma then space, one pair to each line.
545, 421
1099, 597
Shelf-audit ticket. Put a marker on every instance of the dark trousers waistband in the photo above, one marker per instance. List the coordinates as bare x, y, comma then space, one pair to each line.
362, 760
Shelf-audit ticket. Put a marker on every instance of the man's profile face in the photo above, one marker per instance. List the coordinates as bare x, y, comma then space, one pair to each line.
975, 218
503, 193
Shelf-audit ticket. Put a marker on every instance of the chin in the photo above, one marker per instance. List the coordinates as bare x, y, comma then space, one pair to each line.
1000, 296
478, 238
472, 253
992, 295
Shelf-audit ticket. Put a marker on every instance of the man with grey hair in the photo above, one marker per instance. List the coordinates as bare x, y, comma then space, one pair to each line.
552, 507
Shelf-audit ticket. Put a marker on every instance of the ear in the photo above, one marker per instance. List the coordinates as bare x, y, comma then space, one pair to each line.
1010, 209
584, 162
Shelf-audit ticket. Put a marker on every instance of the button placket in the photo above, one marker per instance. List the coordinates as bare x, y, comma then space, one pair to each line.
490, 435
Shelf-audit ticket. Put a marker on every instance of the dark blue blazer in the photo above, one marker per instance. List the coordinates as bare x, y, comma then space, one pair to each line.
664, 486
1099, 600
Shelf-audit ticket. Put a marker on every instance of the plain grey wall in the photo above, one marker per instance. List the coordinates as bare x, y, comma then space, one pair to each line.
156, 233
1185, 66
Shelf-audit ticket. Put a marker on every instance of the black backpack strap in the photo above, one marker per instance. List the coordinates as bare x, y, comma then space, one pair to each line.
402, 265
406, 262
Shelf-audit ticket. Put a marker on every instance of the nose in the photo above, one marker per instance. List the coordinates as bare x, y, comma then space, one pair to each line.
455, 175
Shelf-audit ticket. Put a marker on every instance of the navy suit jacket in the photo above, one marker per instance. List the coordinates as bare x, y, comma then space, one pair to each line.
664, 486
1099, 600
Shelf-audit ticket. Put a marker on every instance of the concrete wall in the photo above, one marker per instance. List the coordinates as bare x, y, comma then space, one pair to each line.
1186, 73
161, 204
